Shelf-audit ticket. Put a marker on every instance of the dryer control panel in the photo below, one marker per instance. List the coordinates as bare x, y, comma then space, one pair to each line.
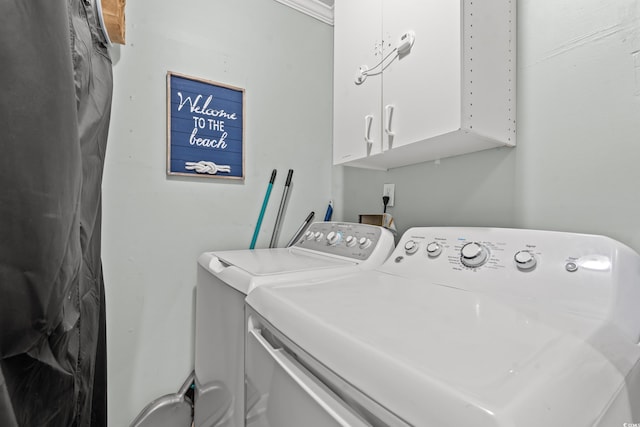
355, 241
502, 251
592, 275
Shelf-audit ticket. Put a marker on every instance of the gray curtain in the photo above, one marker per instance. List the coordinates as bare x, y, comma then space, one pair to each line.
55, 102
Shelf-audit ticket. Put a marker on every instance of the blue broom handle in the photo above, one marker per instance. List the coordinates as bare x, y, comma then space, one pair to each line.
264, 207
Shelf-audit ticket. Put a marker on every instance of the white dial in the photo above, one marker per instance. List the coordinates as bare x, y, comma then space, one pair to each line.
309, 234
319, 235
525, 260
411, 247
333, 238
364, 242
434, 249
350, 241
474, 254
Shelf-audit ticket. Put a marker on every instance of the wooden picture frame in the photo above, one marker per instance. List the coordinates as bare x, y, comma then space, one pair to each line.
205, 128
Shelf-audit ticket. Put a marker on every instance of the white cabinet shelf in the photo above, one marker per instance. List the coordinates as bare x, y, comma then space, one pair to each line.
453, 93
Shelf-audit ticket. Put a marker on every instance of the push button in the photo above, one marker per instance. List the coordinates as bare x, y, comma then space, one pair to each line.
571, 267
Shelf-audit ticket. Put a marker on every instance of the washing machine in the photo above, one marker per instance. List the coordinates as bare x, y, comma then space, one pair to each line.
224, 278
459, 327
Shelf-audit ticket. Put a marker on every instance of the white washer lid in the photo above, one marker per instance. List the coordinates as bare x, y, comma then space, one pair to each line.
245, 270
437, 355
264, 262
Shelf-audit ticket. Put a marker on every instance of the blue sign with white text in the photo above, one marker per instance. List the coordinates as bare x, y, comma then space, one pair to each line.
206, 128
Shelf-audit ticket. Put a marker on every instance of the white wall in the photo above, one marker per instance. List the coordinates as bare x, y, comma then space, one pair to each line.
576, 166
154, 226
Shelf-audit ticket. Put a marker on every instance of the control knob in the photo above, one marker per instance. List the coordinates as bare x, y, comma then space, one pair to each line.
525, 260
333, 238
309, 235
318, 235
474, 255
364, 242
434, 249
350, 241
411, 247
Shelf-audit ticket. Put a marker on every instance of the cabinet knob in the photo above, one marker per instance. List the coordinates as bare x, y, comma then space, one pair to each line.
368, 120
388, 113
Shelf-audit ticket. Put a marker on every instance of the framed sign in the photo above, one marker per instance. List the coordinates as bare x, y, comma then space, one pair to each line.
205, 128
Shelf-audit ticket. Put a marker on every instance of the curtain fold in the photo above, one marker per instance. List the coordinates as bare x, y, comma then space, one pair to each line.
56, 81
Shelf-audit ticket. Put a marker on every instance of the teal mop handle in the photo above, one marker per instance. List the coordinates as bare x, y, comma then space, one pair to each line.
264, 207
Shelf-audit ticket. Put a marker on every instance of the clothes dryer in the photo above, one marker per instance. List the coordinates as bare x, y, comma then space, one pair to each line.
326, 250
460, 326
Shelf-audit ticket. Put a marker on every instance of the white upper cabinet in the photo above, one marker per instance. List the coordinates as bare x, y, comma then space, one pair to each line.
356, 108
422, 80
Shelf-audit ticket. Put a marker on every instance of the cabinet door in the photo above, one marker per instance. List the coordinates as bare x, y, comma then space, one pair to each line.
356, 108
421, 90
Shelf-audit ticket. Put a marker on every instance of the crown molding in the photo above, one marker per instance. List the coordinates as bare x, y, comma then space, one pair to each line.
314, 8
